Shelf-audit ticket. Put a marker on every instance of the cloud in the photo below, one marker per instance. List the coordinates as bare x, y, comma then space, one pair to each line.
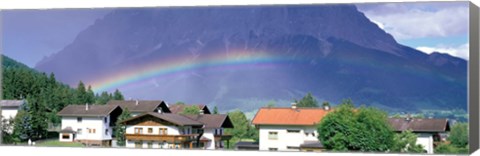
458, 51
416, 20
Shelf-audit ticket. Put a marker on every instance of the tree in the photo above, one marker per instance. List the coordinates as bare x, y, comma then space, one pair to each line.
38, 120
6, 129
215, 110
242, 128
307, 101
90, 98
81, 94
117, 95
103, 98
191, 110
325, 104
120, 128
406, 142
348, 128
459, 135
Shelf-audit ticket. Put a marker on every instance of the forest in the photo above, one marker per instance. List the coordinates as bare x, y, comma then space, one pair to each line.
44, 96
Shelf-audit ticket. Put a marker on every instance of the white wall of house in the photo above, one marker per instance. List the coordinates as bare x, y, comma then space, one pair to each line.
426, 139
9, 112
208, 133
155, 144
171, 130
102, 129
285, 139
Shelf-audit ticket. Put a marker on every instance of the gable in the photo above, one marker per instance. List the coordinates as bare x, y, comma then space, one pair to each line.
149, 121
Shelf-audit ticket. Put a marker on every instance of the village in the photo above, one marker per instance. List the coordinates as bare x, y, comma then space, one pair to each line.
156, 124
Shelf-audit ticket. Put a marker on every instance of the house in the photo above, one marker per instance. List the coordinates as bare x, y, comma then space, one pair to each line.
178, 108
169, 130
429, 131
161, 130
137, 107
213, 135
9, 108
88, 124
289, 128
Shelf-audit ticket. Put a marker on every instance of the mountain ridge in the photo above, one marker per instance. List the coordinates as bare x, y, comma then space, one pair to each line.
345, 55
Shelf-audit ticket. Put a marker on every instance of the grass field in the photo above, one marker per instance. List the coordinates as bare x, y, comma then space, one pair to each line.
56, 143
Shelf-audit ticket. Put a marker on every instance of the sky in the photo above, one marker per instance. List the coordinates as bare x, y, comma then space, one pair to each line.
31, 35
425, 26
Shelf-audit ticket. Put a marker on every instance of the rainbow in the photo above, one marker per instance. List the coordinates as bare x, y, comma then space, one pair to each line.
185, 64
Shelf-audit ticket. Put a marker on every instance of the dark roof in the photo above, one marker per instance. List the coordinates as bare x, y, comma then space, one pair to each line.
178, 108
213, 120
246, 144
93, 110
419, 125
67, 130
311, 144
11, 103
172, 118
140, 106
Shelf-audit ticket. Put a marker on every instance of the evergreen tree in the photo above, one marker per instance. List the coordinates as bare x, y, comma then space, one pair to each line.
215, 110
459, 135
81, 94
90, 98
39, 119
307, 101
103, 98
120, 128
117, 95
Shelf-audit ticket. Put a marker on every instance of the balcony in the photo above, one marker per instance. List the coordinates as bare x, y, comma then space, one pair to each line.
161, 138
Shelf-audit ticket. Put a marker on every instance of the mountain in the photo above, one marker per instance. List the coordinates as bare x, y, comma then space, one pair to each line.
333, 51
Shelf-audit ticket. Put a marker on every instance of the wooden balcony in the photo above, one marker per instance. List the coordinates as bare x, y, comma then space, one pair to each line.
223, 137
161, 138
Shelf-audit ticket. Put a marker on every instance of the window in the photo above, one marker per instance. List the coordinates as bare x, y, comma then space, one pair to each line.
91, 130
306, 134
106, 132
273, 149
105, 120
150, 144
150, 130
65, 136
138, 130
79, 119
313, 133
79, 131
162, 131
138, 144
293, 131
161, 144
272, 135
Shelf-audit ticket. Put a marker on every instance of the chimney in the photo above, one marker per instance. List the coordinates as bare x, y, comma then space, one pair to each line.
294, 105
409, 117
136, 102
86, 106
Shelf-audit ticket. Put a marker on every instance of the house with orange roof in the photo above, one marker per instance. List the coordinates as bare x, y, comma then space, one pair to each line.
289, 128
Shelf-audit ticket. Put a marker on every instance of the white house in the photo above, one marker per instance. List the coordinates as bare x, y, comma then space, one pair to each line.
288, 129
89, 124
429, 131
136, 107
213, 136
161, 130
9, 108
